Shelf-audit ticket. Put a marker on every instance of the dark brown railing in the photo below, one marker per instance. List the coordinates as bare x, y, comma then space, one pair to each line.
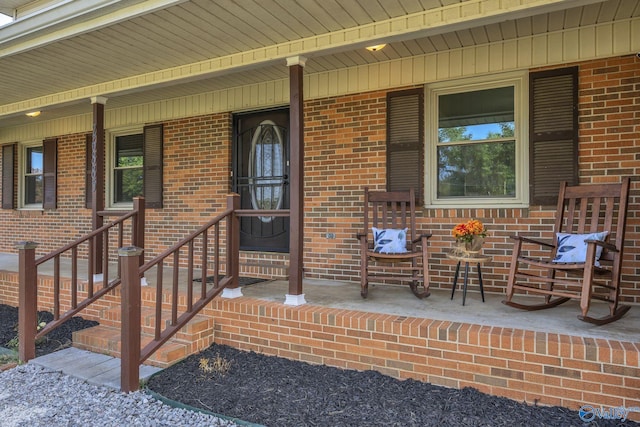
28, 274
197, 243
202, 249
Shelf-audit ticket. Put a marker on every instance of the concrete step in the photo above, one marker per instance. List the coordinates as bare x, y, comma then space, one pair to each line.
106, 339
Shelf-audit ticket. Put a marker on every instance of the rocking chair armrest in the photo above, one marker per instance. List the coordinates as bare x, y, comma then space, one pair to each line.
534, 241
420, 237
608, 246
360, 235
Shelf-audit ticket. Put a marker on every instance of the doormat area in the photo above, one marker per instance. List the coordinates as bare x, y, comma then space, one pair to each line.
242, 281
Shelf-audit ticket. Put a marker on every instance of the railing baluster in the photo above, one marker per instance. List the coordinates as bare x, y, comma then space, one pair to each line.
91, 267
174, 291
56, 287
121, 244
74, 275
105, 259
121, 235
190, 276
205, 249
233, 240
158, 325
216, 254
138, 224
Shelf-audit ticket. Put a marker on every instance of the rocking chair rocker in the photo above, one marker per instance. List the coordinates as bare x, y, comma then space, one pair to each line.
392, 250
585, 255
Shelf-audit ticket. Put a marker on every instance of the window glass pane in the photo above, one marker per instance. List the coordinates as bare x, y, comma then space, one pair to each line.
266, 168
476, 115
34, 160
476, 144
477, 170
33, 189
129, 151
268, 164
128, 184
128, 171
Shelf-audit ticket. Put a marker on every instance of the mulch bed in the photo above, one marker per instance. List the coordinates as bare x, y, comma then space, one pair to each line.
273, 391
278, 392
55, 340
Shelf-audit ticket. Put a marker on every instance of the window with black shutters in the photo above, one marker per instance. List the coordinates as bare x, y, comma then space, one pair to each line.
135, 167
38, 173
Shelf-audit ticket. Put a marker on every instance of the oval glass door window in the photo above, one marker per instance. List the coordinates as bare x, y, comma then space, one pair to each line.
266, 168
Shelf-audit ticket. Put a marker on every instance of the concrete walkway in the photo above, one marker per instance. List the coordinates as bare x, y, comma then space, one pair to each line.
96, 369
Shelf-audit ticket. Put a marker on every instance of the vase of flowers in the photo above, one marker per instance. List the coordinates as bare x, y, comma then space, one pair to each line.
469, 236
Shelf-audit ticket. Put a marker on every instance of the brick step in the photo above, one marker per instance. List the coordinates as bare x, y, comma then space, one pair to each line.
198, 327
105, 339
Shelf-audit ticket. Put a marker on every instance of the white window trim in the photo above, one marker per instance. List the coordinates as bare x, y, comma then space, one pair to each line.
520, 82
110, 164
22, 168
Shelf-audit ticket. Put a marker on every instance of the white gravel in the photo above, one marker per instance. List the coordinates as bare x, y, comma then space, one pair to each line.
34, 396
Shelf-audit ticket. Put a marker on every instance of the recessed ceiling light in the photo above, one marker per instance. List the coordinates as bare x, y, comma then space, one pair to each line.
33, 114
376, 47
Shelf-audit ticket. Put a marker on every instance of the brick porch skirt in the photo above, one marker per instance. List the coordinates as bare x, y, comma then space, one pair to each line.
535, 367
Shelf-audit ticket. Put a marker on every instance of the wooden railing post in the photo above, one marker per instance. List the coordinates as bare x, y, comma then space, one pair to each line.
27, 300
233, 239
138, 224
130, 355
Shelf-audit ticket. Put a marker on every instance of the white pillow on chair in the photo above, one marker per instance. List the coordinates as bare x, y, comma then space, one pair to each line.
572, 248
389, 240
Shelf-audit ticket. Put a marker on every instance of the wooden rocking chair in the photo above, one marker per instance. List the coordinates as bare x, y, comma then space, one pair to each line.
393, 213
562, 275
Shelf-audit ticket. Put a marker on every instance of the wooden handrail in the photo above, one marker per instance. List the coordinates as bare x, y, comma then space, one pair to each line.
132, 355
151, 263
83, 239
28, 277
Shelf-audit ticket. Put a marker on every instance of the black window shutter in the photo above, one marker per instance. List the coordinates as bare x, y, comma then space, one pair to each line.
553, 133
49, 173
405, 141
88, 188
8, 176
153, 166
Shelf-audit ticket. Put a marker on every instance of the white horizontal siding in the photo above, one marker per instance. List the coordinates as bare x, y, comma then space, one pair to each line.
597, 41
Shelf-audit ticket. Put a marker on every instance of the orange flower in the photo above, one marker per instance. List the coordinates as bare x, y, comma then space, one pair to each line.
465, 231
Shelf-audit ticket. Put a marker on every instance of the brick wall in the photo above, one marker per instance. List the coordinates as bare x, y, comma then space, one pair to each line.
345, 150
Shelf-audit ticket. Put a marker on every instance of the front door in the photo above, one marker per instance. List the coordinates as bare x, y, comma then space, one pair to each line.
260, 177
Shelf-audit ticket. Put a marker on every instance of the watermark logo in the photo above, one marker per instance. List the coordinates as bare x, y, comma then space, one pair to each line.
589, 413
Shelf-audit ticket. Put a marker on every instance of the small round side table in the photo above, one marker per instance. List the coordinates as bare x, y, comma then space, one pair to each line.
476, 259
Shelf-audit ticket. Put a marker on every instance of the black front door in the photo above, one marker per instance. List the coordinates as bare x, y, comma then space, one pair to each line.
260, 177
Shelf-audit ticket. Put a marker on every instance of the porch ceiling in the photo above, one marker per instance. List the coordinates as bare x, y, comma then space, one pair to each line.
136, 51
